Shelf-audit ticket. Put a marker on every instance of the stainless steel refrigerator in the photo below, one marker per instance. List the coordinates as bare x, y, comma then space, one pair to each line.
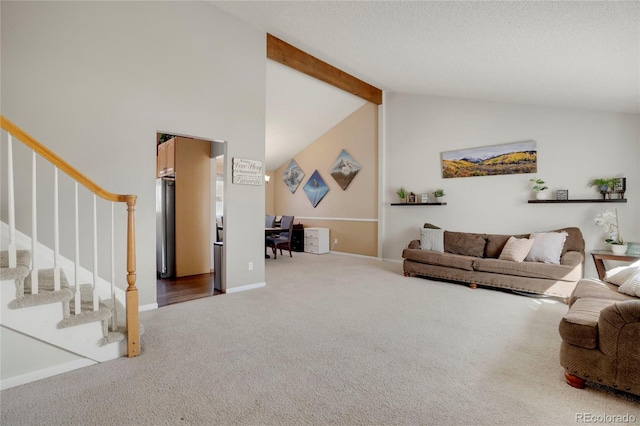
165, 228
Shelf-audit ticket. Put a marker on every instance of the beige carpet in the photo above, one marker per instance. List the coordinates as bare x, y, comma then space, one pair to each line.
332, 339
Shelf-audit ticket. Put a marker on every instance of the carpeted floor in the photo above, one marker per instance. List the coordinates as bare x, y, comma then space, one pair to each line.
332, 339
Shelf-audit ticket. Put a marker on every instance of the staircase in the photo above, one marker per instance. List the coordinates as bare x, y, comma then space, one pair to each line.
50, 302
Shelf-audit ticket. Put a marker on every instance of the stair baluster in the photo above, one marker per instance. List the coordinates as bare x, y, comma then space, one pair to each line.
114, 312
56, 233
95, 253
76, 274
11, 205
34, 226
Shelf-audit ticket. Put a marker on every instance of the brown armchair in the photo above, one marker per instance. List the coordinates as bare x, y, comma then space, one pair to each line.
600, 338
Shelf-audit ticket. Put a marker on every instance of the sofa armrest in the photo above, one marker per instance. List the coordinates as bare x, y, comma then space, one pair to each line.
615, 322
414, 244
572, 258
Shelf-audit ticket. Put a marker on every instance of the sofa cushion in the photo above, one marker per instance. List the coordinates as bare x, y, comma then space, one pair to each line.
574, 241
432, 239
579, 326
439, 259
463, 243
547, 247
594, 288
495, 244
516, 249
632, 285
619, 275
525, 269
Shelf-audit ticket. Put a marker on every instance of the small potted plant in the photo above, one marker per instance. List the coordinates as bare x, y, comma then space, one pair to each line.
605, 185
540, 188
439, 193
402, 193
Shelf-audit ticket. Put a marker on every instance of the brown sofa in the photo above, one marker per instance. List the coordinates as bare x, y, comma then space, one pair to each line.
473, 259
601, 337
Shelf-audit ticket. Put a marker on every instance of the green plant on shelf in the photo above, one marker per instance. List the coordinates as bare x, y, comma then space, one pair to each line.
603, 184
402, 193
439, 193
539, 185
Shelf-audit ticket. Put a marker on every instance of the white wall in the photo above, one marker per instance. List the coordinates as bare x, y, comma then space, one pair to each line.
95, 81
573, 148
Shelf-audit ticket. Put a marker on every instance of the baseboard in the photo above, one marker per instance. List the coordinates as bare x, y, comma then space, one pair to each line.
44, 373
148, 307
362, 256
245, 287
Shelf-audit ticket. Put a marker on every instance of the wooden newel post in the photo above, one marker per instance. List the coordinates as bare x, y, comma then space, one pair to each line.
133, 323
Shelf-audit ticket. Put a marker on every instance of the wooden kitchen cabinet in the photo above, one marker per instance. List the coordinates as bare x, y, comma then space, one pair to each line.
192, 167
166, 158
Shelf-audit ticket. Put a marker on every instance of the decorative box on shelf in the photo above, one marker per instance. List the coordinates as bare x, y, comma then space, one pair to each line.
633, 248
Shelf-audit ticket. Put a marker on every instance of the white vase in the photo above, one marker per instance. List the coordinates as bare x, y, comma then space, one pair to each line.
619, 248
541, 195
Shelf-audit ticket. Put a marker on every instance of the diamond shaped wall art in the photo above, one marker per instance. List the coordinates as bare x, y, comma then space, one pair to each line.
315, 188
344, 169
292, 176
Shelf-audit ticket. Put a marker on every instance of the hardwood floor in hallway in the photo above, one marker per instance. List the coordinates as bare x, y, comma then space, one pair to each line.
177, 290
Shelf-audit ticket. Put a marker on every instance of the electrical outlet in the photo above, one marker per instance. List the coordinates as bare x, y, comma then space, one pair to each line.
251, 266
335, 241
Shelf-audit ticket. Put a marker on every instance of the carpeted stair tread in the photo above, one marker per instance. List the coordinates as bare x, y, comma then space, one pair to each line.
87, 314
46, 293
121, 333
19, 273
23, 258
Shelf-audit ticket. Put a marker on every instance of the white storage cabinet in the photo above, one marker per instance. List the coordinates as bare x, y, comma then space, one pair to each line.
316, 240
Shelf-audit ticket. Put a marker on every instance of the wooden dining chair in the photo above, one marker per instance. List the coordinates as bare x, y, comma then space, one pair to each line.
283, 239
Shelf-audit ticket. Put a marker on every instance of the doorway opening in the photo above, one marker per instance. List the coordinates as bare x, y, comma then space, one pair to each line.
186, 230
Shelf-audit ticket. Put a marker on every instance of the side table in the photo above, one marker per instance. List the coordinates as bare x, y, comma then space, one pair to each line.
600, 255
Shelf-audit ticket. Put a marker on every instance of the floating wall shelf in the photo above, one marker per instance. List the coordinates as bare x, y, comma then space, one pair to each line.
418, 204
593, 200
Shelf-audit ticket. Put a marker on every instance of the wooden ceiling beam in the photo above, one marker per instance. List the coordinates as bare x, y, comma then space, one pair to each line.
286, 54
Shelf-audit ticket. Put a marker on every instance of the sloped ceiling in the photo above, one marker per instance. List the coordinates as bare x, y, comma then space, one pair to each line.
300, 109
573, 54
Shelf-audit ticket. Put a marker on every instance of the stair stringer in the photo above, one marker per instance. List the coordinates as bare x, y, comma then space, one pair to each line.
41, 322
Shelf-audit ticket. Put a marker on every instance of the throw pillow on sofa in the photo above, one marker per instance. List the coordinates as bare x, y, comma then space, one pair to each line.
632, 285
617, 276
432, 239
547, 247
516, 249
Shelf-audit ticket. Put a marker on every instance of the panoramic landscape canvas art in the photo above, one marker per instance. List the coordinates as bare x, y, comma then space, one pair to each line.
344, 169
508, 159
292, 176
315, 188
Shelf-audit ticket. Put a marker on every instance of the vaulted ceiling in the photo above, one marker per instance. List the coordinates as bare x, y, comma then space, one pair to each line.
573, 54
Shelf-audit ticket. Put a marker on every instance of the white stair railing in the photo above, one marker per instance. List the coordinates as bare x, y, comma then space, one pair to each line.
132, 325
95, 254
56, 232
11, 205
76, 275
114, 312
34, 226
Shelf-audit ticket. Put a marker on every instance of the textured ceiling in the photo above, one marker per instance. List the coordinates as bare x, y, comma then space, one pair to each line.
574, 54
577, 54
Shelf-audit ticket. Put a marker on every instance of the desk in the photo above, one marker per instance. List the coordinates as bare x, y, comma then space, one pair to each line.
600, 255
